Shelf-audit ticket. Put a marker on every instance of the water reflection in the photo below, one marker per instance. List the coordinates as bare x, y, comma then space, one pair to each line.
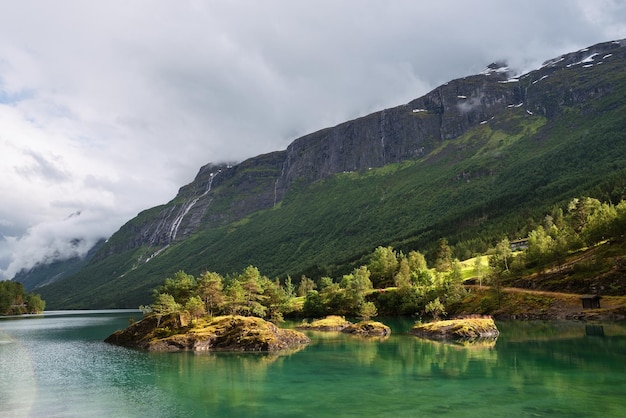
59, 366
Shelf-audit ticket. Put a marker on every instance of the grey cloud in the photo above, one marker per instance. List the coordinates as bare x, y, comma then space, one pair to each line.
48, 169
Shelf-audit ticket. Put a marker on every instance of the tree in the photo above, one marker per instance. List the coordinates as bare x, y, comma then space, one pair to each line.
210, 290
403, 276
180, 287
35, 303
235, 298
356, 285
367, 311
195, 307
313, 305
416, 261
250, 280
305, 286
435, 308
539, 247
503, 254
165, 305
479, 270
383, 266
600, 224
15, 301
275, 299
443, 260
290, 289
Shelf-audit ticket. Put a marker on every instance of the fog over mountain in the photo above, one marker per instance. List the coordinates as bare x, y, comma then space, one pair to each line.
106, 110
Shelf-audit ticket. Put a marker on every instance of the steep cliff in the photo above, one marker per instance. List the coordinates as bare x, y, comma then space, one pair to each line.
225, 193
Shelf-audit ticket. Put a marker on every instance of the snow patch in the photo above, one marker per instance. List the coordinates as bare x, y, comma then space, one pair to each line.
586, 60
419, 110
542, 78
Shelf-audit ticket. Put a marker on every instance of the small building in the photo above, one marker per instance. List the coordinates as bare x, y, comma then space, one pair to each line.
519, 244
591, 301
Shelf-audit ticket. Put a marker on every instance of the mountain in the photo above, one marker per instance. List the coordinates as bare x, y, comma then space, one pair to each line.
46, 273
473, 160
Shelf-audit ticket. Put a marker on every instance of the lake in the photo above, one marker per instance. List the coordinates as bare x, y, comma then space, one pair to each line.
56, 365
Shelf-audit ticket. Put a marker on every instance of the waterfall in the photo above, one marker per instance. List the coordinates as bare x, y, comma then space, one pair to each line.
186, 208
282, 174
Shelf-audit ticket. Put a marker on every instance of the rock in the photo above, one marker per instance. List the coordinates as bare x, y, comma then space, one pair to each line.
368, 329
225, 333
330, 323
458, 329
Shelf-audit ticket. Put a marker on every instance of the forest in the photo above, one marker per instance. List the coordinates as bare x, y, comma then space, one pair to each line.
394, 283
14, 300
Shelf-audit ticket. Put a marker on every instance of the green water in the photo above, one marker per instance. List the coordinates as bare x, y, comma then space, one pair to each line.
57, 366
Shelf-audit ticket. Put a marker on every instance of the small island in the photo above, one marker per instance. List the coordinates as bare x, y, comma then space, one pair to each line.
222, 333
365, 328
461, 329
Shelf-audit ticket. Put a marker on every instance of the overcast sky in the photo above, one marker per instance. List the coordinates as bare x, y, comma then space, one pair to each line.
107, 108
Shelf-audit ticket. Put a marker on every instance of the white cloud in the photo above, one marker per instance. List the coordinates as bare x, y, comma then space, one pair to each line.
108, 108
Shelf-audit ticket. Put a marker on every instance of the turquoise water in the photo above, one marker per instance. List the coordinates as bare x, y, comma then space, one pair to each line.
57, 366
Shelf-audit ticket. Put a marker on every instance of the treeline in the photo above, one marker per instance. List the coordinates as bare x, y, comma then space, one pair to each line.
391, 283
248, 293
583, 223
15, 301
409, 287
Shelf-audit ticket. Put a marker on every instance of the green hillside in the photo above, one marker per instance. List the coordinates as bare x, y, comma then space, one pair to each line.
498, 179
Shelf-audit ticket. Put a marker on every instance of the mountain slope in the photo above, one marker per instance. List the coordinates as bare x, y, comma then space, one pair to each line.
472, 160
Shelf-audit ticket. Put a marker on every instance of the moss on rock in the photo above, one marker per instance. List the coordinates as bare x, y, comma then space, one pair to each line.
458, 329
368, 329
224, 333
330, 323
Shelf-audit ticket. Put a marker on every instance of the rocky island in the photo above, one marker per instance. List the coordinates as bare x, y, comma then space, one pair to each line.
222, 333
462, 329
339, 323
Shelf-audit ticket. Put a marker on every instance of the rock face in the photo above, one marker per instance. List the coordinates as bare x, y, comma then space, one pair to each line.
368, 329
458, 329
226, 333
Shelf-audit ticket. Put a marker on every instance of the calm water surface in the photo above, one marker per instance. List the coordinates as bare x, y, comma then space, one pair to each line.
56, 365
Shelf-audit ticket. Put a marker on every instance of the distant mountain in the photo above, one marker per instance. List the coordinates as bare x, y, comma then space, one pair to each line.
48, 273
473, 160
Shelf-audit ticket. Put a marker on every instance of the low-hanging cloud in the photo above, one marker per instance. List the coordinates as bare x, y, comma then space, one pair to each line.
52, 241
108, 109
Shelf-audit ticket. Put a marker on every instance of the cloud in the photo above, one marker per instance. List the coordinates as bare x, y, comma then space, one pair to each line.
53, 241
109, 109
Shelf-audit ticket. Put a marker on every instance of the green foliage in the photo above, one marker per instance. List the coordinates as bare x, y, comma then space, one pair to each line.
14, 300
211, 291
195, 307
443, 260
383, 266
436, 309
305, 286
367, 311
165, 305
